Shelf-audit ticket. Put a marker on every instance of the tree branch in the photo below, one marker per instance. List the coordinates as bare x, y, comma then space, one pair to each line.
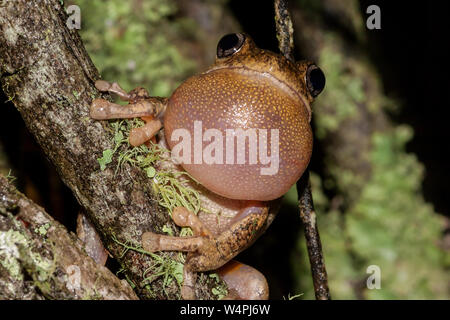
285, 38
48, 75
35, 246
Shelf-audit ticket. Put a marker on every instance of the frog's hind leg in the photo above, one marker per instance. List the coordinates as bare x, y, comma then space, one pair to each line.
206, 251
183, 218
156, 242
133, 96
92, 243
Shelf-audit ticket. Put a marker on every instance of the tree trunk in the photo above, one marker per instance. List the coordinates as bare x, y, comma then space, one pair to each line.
47, 74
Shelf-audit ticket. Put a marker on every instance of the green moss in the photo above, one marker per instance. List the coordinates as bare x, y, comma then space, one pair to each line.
76, 94
43, 267
220, 290
296, 296
386, 222
5, 88
14, 248
93, 293
343, 91
162, 267
167, 229
172, 187
125, 42
10, 177
389, 225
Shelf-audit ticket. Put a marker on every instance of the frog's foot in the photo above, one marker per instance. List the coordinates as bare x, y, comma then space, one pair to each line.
140, 105
206, 251
183, 218
133, 96
188, 287
142, 134
105, 86
102, 109
92, 243
202, 239
243, 282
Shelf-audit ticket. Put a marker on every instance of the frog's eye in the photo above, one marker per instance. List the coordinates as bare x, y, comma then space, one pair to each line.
315, 80
230, 44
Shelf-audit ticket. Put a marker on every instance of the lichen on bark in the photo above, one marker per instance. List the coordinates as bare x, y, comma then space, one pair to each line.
47, 74
40, 259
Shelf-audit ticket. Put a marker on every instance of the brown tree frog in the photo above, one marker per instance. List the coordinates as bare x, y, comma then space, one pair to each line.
242, 129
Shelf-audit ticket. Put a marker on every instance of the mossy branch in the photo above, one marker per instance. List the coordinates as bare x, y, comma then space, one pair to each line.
40, 259
48, 75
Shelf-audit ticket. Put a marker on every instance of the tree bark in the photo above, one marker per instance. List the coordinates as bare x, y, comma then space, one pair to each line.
48, 75
41, 259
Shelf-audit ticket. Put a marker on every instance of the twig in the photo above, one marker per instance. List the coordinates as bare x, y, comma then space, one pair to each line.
284, 28
308, 217
307, 214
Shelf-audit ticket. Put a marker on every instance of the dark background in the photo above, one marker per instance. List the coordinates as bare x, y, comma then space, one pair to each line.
411, 53
412, 50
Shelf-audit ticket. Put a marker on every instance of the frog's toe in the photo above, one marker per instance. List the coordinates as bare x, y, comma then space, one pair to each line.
99, 109
102, 85
188, 293
186, 218
153, 242
244, 282
105, 86
92, 243
143, 134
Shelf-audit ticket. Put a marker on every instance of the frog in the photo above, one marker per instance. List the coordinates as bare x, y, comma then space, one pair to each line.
246, 96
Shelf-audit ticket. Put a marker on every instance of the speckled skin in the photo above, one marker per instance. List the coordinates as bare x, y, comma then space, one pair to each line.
253, 88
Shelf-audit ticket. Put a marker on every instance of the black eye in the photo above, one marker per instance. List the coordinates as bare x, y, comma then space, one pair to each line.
315, 80
230, 44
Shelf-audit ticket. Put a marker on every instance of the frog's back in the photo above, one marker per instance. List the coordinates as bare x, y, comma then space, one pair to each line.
225, 99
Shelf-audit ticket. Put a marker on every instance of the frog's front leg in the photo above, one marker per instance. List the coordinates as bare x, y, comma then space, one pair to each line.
140, 105
209, 252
